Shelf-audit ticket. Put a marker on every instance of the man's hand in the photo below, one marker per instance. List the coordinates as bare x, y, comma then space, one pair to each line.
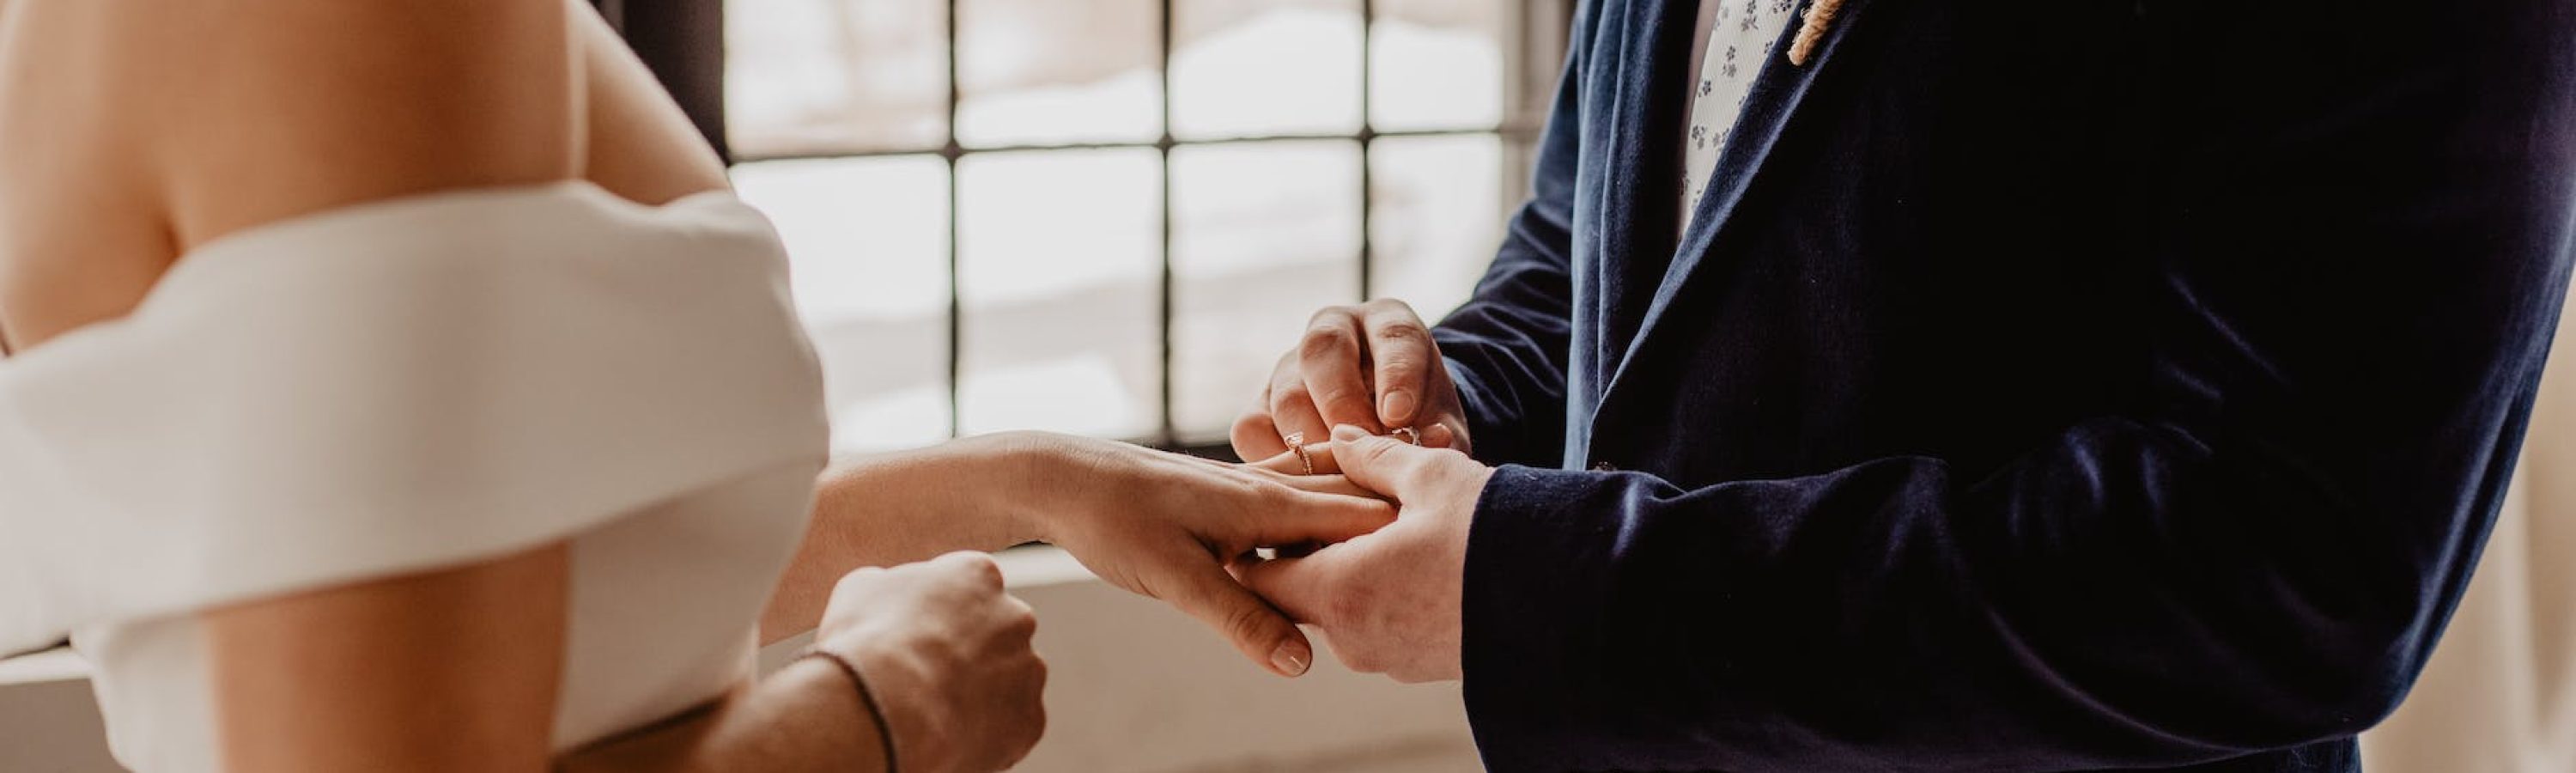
1165, 525
1388, 602
1373, 366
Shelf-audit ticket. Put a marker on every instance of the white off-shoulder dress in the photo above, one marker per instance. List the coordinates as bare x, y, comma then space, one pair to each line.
410, 385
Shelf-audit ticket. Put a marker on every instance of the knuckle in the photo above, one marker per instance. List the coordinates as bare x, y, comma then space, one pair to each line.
1332, 314
1250, 423
1284, 401
1245, 622
1406, 330
1327, 342
981, 567
1388, 306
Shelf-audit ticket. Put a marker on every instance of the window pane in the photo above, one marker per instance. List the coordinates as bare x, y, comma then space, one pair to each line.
867, 240
1058, 71
1265, 67
1262, 236
1438, 64
1439, 212
1059, 259
833, 76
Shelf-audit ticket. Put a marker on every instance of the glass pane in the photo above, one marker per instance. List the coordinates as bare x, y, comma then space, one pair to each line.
835, 76
1438, 64
1060, 264
867, 241
1439, 215
1058, 71
1272, 67
1262, 235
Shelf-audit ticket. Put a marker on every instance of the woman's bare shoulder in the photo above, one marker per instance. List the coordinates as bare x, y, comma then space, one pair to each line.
250, 111
137, 129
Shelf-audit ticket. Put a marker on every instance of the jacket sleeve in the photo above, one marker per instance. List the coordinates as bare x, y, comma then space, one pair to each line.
2359, 255
1507, 346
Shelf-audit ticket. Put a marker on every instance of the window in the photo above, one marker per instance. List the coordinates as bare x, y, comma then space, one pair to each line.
1110, 217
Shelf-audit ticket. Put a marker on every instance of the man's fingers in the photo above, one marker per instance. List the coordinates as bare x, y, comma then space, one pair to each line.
1292, 410
1401, 348
1381, 464
1255, 436
1211, 594
1330, 357
1318, 460
1438, 435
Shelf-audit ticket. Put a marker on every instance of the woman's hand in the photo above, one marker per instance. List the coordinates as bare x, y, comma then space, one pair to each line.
1164, 525
947, 655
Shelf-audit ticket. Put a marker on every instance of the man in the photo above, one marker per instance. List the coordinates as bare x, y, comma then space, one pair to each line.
2034, 385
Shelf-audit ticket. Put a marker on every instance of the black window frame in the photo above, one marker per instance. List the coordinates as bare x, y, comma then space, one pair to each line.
682, 41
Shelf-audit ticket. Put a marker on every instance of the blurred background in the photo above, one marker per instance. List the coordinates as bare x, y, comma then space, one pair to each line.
1110, 217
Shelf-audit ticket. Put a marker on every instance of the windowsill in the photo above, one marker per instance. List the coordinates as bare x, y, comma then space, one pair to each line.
55, 665
1036, 566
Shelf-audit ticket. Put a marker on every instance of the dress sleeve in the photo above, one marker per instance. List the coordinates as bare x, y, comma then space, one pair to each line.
392, 388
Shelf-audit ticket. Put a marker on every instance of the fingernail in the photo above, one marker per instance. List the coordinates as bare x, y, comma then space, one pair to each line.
1438, 436
1349, 433
1396, 409
1290, 658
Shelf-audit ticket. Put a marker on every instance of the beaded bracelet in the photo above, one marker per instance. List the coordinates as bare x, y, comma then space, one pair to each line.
868, 697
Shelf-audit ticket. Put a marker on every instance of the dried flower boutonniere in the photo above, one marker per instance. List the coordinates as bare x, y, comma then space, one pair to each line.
1811, 32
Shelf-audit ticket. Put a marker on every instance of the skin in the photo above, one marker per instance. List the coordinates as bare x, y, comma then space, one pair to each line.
1161, 525
1389, 601
1372, 366
198, 120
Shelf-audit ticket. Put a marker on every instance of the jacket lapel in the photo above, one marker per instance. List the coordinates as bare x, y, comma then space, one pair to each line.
1776, 96
1639, 202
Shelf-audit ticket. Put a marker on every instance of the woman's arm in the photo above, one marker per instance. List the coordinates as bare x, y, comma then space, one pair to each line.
275, 109
448, 670
1158, 524
317, 106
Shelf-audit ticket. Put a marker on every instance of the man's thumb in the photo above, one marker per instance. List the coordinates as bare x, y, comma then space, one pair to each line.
1376, 462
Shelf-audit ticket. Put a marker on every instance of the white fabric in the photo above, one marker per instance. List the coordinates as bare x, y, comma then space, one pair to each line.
410, 385
2499, 695
1734, 43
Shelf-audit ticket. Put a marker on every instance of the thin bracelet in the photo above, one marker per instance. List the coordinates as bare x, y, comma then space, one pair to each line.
876, 711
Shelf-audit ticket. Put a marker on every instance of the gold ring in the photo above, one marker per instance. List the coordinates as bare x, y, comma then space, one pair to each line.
1297, 442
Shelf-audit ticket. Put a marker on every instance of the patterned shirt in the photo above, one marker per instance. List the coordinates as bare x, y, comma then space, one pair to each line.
1734, 44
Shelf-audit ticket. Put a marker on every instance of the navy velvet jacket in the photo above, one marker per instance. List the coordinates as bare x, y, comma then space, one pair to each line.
2044, 385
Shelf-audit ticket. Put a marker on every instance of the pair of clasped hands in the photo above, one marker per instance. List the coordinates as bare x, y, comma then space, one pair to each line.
1373, 527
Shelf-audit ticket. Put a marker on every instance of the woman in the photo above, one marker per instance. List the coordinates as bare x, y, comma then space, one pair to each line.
396, 387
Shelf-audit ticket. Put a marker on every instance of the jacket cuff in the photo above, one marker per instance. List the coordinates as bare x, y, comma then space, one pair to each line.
1537, 569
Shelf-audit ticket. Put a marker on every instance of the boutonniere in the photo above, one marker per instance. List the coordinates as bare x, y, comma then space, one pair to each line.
1811, 31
